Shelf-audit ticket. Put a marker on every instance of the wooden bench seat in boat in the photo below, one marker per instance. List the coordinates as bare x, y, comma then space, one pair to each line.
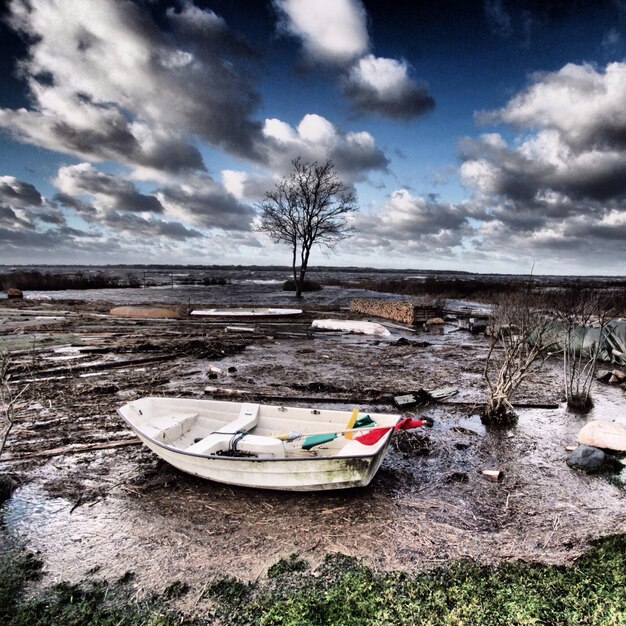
220, 440
169, 428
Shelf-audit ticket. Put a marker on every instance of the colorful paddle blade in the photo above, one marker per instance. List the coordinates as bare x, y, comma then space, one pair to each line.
317, 440
350, 424
408, 423
364, 421
373, 436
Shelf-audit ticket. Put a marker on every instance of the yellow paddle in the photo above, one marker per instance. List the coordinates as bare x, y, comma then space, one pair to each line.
350, 424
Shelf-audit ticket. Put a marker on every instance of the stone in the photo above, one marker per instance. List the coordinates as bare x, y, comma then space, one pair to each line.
7, 487
603, 434
477, 326
604, 376
14, 294
617, 377
587, 458
434, 321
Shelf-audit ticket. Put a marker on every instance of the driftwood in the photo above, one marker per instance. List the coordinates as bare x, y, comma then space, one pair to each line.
387, 398
72, 449
105, 365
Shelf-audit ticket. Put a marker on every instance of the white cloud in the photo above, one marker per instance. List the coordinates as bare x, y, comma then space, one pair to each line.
331, 31
583, 104
382, 86
316, 139
108, 83
109, 192
409, 225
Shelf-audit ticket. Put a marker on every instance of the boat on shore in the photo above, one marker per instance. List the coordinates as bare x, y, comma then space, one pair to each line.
246, 312
264, 446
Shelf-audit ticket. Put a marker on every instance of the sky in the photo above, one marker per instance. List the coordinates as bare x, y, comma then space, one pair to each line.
487, 136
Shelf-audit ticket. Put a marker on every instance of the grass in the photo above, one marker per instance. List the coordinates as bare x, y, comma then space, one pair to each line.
344, 592
90, 604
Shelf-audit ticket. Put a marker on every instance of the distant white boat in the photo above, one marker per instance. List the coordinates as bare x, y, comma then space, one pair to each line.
255, 445
352, 326
243, 312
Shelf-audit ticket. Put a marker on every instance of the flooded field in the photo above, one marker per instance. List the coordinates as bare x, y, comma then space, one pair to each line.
95, 503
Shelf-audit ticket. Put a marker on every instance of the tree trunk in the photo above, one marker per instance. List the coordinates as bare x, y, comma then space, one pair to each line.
296, 283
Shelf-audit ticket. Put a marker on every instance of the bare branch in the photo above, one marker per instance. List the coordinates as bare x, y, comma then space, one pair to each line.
310, 206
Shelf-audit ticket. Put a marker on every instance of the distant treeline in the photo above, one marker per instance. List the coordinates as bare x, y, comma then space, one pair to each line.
34, 280
480, 288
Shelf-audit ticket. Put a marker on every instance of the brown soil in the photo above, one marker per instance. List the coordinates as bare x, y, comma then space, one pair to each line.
90, 508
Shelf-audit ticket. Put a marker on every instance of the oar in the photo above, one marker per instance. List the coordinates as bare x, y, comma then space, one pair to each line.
335, 433
355, 424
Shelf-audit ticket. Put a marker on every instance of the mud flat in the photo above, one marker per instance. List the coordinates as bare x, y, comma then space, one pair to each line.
92, 500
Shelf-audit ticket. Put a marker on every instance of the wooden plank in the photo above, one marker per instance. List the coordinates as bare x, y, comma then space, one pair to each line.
71, 449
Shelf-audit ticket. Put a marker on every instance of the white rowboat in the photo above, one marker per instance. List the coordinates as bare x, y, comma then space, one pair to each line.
241, 312
237, 443
351, 326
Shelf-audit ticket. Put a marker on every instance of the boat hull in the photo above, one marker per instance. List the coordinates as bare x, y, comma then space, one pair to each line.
316, 474
195, 436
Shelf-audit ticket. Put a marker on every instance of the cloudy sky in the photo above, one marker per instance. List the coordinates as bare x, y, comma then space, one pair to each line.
479, 135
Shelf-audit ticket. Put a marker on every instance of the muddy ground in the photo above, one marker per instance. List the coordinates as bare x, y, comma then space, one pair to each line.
95, 503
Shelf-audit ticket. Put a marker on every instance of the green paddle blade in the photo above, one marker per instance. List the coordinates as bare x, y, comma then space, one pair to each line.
364, 421
316, 440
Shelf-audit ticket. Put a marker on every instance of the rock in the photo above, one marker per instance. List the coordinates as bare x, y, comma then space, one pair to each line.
13, 294
604, 376
434, 321
476, 326
587, 458
457, 477
402, 341
603, 434
146, 311
617, 377
7, 487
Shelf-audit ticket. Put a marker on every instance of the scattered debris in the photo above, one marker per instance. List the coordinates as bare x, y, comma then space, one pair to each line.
494, 475
14, 294
421, 396
409, 400
443, 393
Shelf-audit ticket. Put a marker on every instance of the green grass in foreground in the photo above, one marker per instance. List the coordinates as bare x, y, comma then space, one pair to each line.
344, 592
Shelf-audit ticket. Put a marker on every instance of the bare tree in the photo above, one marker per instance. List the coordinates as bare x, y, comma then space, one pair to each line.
518, 347
309, 206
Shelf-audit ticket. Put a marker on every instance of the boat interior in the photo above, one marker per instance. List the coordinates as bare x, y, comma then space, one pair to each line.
234, 429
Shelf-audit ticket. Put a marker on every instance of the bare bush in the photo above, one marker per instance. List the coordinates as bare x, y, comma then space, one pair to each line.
517, 348
582, 318
8, 399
